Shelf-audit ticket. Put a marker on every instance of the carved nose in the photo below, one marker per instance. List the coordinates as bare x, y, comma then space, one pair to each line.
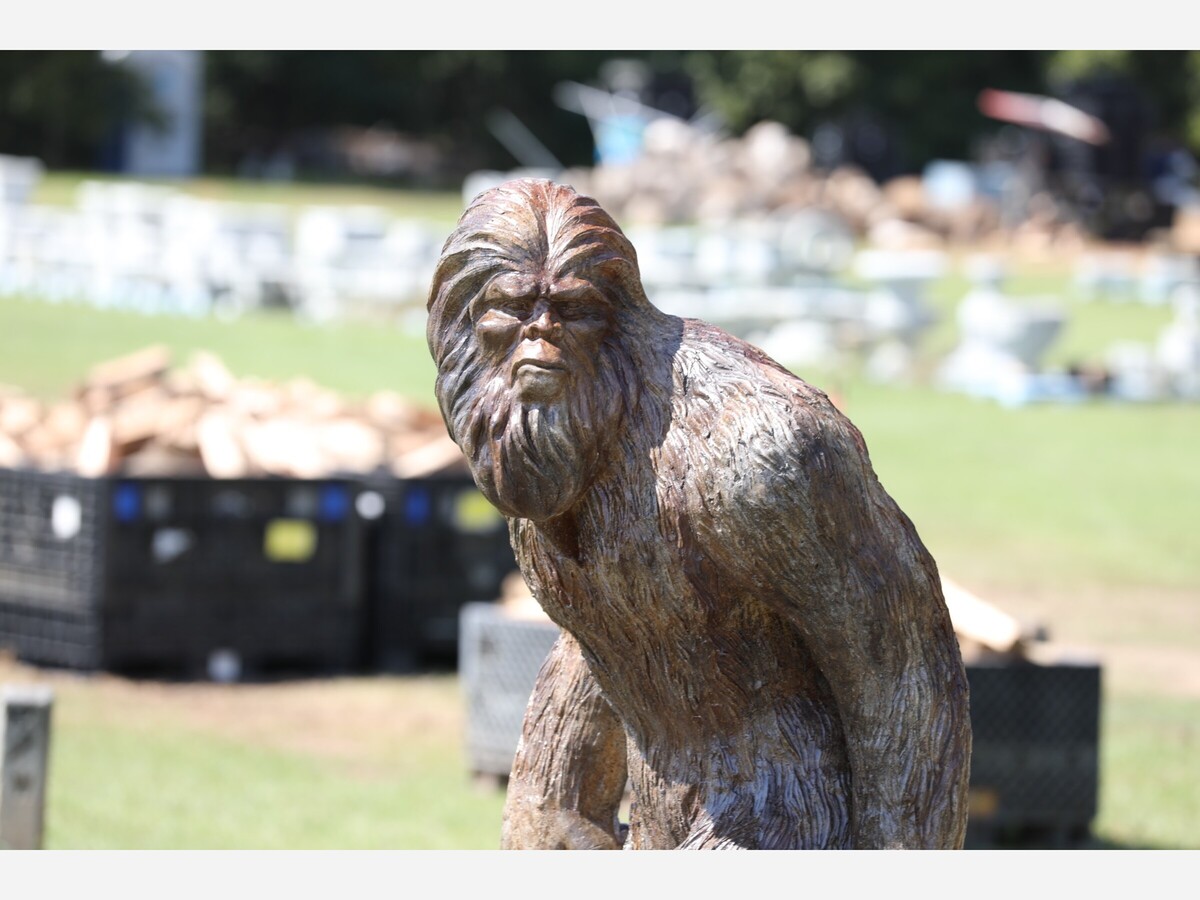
543, 323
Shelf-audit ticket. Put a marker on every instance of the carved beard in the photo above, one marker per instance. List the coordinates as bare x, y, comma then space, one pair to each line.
534, 460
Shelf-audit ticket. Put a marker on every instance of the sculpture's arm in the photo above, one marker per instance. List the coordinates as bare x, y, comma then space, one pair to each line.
866, 595
570, 769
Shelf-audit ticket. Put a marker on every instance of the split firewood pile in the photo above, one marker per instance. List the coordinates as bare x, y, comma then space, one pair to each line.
685, 176
141, 416
986, 632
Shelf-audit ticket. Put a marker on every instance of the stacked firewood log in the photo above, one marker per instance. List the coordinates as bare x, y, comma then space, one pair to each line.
139, 415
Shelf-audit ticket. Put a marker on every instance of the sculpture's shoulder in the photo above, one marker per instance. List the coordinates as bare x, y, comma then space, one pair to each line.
753, 459
747, 407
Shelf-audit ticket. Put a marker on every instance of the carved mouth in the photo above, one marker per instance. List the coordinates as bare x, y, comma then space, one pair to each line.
538, 357
539, 364
538, 378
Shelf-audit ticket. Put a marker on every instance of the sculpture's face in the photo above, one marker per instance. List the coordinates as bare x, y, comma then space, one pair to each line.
531, 311
542, 334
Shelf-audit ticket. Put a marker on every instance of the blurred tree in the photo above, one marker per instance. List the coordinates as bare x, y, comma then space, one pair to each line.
1192, 80
1168, 79
64, 105
258, 102
797, 88
925, 100
61, 106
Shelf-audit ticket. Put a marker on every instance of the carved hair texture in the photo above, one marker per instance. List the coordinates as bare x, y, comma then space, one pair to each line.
532, 459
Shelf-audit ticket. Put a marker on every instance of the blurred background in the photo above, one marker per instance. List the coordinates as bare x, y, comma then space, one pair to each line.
250, 598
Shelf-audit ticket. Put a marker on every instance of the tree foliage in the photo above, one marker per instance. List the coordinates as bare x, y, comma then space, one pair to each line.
259, 100
926, 99
63, 106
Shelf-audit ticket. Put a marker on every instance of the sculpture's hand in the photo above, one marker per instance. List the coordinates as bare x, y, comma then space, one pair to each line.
554, 829
570, 769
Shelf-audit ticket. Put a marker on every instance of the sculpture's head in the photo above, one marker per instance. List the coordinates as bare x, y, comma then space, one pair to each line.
533, 304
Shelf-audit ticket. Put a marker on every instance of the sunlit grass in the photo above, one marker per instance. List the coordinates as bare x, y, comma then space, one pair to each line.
1148, 781
435, 207
130, 778
1053, 495
47, 349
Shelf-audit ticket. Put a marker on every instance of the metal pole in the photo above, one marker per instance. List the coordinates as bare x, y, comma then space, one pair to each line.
24, 760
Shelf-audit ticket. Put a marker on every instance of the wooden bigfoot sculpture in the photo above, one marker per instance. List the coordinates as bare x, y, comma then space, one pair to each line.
753, 633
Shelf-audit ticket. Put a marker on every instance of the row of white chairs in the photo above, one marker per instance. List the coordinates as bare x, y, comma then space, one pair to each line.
154, 249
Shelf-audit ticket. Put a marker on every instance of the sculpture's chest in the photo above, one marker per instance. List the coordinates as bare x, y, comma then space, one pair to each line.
641, 596
631, 573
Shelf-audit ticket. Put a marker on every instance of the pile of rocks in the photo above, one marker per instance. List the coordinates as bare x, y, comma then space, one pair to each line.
686, 175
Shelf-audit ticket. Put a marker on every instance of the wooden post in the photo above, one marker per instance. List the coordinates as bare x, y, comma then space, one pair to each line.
24, 757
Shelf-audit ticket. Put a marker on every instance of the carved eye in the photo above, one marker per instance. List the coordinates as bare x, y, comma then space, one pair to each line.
520, 307
571, 309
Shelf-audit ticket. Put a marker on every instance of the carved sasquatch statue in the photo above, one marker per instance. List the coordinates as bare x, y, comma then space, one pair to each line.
753, 633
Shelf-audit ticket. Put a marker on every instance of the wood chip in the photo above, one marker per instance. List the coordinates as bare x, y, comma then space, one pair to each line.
389, 410
97, 453
351, 445
256, 399
11, 454
68, 421
158, 459
18, 415
977, 620
135, 369
139, 417
203, 419
283, 446
211, 377
436, 457
220, 450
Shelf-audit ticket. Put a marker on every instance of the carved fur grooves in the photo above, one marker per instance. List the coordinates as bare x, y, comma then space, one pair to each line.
754, 633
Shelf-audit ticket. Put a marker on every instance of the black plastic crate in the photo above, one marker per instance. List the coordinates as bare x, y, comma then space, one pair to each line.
51, 537
499, 661
1035, 764
437, 545
48, 635
160, 573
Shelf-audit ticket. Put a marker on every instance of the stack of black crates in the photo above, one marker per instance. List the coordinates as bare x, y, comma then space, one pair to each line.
195, 576
438, 545
168, 574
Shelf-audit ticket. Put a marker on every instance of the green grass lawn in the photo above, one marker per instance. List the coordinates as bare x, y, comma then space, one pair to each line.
125, 778
47, 349
1148, 774
437, 207
1059, 496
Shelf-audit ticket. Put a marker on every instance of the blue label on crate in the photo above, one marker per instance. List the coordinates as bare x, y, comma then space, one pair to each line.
417, 506
127, 502
335, 502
